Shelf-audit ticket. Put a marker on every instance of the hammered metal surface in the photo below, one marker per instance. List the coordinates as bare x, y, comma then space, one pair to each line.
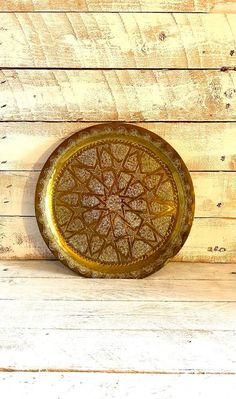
114, 201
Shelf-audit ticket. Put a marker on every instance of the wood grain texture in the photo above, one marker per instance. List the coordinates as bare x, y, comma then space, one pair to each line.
152, 351
43, 319
47, 317
119, 5
131, 95
210, 240
215, 193
106, 290
133, 40
203, 146
115, 386
172, 270
119, 315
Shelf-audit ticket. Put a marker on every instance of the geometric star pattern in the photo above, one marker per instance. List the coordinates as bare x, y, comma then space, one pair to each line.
115, 202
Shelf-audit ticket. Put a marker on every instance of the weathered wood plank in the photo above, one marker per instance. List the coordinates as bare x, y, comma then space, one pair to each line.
133, 40
215, 193
210, 240
203, 146
171, 271
46, 289
119, 5
50, 268
115, 386
152, 351
123, 315
131, 95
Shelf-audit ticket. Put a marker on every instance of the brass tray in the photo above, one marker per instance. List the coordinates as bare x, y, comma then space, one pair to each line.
114, 200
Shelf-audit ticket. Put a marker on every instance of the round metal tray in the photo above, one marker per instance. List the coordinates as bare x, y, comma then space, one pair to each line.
114, 200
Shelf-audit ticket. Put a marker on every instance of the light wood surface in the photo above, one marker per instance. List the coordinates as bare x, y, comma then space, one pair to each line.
117, 40
72, 323
118, 385
20, 238
120, 5
82, 289
215, 193
172, 270
203, 146
122, 315
130, 95
167, 351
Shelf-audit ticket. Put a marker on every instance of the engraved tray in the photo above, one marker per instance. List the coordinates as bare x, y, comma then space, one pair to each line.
114, 200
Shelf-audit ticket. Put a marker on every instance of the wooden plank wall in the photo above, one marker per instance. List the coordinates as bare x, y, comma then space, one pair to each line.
169, 66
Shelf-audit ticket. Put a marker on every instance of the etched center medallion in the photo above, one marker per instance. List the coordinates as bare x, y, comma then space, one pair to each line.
115, 202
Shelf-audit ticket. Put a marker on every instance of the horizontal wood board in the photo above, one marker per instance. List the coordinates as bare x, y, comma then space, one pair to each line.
46, 289
124, 95
166, 351
203, 146
54, 269
120, 5
120, 315
117, 40
116, 385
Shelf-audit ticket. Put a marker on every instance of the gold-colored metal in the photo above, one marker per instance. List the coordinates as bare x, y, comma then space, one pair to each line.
114, 200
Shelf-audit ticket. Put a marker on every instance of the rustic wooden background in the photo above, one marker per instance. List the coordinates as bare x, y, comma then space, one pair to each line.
169, 66
172, 72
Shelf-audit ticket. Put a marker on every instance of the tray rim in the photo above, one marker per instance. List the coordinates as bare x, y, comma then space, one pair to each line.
124, 129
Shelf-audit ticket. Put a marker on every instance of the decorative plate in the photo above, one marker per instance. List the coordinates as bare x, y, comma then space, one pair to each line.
114, 200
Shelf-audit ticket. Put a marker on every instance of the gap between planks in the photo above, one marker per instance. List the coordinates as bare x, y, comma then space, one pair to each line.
134, 122
108, 12
219, 69
13, 371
